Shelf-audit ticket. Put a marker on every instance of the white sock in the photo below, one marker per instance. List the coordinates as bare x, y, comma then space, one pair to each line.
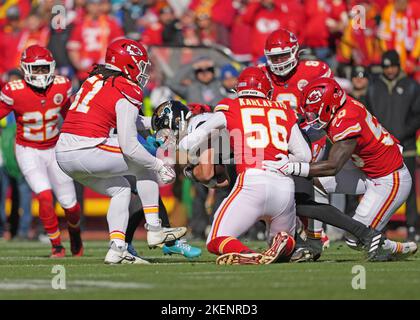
152, 215
149, 195
390, 245
119, 243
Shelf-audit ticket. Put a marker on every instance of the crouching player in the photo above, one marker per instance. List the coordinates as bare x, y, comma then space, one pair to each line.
37, 102
111, 98
259, 128
377, 169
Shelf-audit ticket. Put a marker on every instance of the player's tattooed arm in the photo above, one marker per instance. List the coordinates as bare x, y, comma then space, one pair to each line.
340, 153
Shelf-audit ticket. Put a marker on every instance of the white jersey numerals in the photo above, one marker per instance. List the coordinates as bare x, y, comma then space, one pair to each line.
83, 105
288, 99
378, 130
258, 135
37, 127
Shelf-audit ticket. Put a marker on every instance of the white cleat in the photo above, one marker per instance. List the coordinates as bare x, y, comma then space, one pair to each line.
158, 236
404, 250
120, 255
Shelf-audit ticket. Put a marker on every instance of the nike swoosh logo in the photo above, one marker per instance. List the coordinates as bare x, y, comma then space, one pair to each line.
338, 124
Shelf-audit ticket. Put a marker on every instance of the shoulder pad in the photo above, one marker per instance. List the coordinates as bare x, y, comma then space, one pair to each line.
129, 90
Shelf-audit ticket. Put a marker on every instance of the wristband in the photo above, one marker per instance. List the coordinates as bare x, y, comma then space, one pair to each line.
300, 169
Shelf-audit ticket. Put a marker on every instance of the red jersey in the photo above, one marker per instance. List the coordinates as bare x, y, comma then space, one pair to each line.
289, 89
36, 112
91, 38
259, 129
377, 152
92, 113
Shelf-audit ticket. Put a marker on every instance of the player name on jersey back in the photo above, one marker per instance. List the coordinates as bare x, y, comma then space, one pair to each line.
259, 129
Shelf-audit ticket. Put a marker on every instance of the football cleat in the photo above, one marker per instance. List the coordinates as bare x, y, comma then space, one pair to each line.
183, 248
404, 250
120, 255
303, 254
373, 244
58, 252
235, 258
76, 244
281, 248
158, 235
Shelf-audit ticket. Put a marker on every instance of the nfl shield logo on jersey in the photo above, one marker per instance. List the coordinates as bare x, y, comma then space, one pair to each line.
58, 98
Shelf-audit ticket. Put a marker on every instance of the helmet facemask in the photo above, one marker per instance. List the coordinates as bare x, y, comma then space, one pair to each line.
39, 74
282, 61
313, 119
143, 77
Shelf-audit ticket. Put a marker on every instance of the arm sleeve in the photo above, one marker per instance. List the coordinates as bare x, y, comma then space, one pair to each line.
192, 141
127, 136
143, 123
299, 150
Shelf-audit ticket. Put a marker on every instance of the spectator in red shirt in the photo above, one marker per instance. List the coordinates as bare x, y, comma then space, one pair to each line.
264, 17
166, 31
23, 6
324, 20
90, 38
10, 37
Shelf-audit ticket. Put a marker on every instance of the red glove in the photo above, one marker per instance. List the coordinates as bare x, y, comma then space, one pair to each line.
197, 108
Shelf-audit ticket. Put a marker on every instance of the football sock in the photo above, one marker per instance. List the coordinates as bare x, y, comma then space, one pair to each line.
391, 245
331, 215
222, 245
48, 217
148, 192
151, 213
73, 217
118, 237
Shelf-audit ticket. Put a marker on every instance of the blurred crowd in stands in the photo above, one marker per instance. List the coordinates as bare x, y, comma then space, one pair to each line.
351, 36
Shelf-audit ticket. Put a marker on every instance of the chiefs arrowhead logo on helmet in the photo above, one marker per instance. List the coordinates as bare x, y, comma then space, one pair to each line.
314, 97
133, 50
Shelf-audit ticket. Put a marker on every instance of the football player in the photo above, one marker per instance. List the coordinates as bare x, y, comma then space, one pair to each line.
376, 169
258, 128
289, 76
38, 101
111, 98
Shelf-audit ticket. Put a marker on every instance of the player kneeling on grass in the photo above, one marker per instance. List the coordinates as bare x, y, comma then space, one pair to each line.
259, 128
38, 101
377, 169
112, 98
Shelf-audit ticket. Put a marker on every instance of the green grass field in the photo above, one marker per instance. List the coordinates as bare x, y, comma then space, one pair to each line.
26, 273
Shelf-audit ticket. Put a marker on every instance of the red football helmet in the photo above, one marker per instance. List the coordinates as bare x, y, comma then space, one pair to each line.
38, 66
254, 82
281, 50
321, 99
131, 58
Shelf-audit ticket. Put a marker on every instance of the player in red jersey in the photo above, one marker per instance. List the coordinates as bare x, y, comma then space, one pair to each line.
288, 74
376, 169
111, 98
37, 103
259, 129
